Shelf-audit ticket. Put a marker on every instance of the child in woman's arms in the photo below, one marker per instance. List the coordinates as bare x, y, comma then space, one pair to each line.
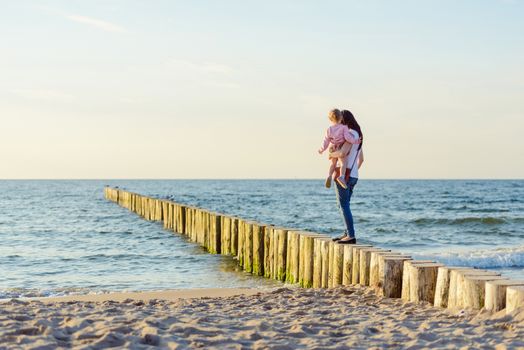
340, 139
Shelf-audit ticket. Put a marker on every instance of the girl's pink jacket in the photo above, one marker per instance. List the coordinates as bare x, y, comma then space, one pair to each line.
337, 135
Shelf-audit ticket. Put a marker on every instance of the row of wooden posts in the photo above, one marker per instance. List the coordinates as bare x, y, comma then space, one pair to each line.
314, 260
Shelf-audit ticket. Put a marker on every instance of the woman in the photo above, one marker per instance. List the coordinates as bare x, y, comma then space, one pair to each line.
355, 158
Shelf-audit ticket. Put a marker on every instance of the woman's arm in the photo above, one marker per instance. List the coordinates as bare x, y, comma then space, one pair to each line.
349, 137
360, 158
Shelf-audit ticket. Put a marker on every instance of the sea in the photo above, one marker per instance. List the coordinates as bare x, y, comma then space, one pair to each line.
63, 237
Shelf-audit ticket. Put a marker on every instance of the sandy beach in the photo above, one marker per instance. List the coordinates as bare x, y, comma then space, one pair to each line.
285, 318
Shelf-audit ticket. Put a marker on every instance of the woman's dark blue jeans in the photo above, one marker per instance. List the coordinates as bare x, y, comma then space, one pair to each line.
344, 197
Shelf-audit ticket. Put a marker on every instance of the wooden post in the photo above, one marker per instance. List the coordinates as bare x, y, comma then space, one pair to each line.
514, 298
496, 293
365, 265
306, 259
475, 290
206, 228
456, 297
177, 209
347, 265
390, 275
225, 235
293, 256
406, 277
165, 209
248, 246
195, 222
324, 247
234, 236
281, 253
268, 251
374, 267
331, 249
423, 280
172, 217
272, 256
274, 246
355, 269
214, 233
258, 249
189, 219
202, 220
337, 264
442, 287
317, 261
182, 219
240, 252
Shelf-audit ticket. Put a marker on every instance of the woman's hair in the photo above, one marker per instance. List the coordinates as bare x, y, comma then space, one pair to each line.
335, 115
349, 120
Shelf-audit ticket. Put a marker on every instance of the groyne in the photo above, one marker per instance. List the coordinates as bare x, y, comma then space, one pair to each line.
313, 260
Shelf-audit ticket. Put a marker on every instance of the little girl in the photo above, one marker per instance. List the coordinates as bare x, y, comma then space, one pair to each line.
340, 138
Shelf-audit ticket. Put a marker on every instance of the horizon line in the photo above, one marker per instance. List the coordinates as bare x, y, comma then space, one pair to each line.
254, 179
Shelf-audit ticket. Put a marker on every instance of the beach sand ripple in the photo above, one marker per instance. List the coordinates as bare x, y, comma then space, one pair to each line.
286, 318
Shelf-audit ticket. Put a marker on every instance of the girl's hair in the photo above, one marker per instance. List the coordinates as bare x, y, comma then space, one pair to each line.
335, 115
349, 120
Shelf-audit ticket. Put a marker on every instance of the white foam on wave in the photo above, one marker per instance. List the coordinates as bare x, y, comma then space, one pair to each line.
489, 258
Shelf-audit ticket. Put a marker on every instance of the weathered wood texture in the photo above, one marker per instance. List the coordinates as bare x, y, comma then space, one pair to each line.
337, 264
234, 237
248, 245
317, 261
456, 297
258, 249
365, 265
442, 287
514, 298
305, 273
280, 254
268, 251
355, 269
475, 290
496, 293
374, 266
391, 269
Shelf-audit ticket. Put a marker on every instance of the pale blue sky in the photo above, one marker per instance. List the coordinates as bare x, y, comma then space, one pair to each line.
241, 89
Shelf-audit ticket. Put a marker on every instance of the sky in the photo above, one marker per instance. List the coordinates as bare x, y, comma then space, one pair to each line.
241, 89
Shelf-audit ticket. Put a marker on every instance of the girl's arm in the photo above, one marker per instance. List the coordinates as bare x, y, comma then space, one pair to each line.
325, 143
360, 158
349, 137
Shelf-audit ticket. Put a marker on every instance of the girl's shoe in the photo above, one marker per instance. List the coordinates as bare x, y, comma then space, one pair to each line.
342, 182
328, 182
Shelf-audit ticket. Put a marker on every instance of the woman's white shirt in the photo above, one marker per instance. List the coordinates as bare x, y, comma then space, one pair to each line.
352, 158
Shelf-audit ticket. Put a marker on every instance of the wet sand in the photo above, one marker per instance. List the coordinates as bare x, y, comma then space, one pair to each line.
285, 318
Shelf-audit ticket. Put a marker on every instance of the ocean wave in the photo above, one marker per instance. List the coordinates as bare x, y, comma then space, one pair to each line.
487, 220
495, 258
11, 293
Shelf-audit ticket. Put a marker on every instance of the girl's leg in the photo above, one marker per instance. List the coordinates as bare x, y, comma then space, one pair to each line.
343, 151
343, 166
331, 172
341, 180
332, 167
